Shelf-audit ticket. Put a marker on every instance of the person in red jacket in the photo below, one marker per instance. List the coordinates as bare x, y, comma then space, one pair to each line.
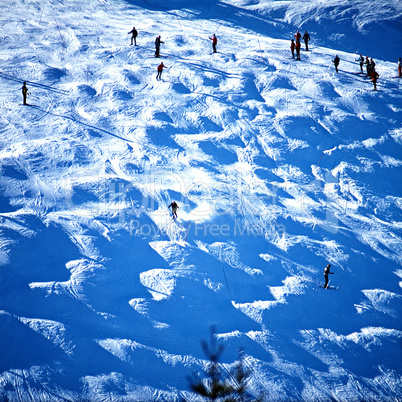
374, 76
399, 68
292, 48
160, 69
298, 45
297, 36
214, 42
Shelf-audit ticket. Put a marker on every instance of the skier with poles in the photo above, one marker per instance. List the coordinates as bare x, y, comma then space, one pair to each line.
158, 45
361, 62
134, 35
327, 271
214, 42
25, 93
336, 62
306, 38
174, 209
160, 69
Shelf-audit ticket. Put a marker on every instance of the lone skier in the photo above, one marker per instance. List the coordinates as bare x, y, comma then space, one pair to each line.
292, 48
361, 63
214, 42
24, 93
327, 271
306, 38
336, 62
134, 34
160, 69
158, 45
174, 209
374, 76
399, 68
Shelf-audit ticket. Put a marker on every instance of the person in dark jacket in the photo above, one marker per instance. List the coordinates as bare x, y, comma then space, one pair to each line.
306, 38
361, 63
327, 271
292, 48
368, 66
134, 34
174, 207
336, 62
24, 93
399, 68
214, 42
158, 45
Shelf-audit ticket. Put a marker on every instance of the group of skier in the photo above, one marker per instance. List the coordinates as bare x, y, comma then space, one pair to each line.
369, 63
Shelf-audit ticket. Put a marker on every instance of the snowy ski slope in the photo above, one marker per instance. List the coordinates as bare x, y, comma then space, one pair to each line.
279, 168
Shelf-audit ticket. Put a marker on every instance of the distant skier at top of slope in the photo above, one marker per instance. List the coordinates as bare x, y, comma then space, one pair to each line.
298, 46
160, 69
374, 77
361, 62
158, 42
306, 38
174, 207
399, 68
292, 48
326, 272
134, 35
214, 42
336, 62
24, 93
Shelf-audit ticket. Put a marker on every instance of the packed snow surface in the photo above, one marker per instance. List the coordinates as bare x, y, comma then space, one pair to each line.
279, 167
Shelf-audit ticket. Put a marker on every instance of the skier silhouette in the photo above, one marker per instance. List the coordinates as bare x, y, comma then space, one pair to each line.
158, 45
24, 93
174, 209
134, 35
336, 61
306, 38
214, 42
399, 68
326, 272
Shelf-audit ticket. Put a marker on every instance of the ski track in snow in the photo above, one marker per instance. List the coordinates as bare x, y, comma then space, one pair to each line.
279, 167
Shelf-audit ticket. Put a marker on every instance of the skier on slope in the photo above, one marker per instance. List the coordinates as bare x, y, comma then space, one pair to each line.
134, 35
160, 69
292, 48
399, 68
374, 76
327, 271
297, 36
214, 42
306, 38
298, 45
174, 209
361, 62
24, 93
158, 45
336, 62
368, 66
